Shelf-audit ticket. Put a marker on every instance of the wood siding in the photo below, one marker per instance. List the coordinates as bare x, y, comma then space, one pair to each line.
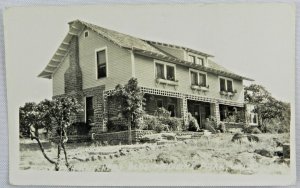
145, 72
119, 62
58, 80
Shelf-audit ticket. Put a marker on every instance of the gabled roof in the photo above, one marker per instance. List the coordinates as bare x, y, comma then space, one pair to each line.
139, 46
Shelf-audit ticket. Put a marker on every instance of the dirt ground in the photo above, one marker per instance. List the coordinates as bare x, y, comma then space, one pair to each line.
207, 154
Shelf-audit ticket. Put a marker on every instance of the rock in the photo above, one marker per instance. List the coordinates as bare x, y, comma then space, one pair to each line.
79, 158
26, 167
169, 136
197, 166
252, 138
184, 137
165, 158
278, 153
122, 153
255, 130
264, 152
239, 137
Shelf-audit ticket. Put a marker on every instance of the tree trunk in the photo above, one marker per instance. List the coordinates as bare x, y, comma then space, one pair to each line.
34, 136
64, 149
58, 157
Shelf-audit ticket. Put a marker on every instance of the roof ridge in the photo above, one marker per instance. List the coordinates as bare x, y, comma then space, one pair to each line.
178, 46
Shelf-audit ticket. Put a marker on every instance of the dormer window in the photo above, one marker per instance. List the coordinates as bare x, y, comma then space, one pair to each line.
196, 59
192, 58
200, 61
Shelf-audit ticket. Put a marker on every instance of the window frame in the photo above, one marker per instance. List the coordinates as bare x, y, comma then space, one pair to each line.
96, 63
165, 64
198, 77
86, 32
192, 57
200, 61
197, 58
225, 78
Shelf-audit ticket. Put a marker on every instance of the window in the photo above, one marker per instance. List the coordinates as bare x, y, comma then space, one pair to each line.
192, 58
198, 78
194, 78
160, 71
89, 110
229, 86
170, 73
222, 84
86, 34
101, 64
159, 103
226, 84
200, 61
196, 59
202, 79
165, 71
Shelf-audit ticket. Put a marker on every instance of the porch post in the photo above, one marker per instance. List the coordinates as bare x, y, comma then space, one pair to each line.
215, 111
184, 110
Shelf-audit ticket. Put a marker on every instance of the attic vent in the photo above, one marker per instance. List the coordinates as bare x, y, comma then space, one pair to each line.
86, 34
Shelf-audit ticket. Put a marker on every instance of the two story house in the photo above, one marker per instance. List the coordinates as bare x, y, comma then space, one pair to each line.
92, 60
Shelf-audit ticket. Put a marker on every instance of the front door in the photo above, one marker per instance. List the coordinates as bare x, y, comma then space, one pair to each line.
201, 112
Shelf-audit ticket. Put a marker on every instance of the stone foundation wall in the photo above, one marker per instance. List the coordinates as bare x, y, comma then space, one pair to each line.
115, 138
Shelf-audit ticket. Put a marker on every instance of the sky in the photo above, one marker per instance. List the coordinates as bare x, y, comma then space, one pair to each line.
253, 40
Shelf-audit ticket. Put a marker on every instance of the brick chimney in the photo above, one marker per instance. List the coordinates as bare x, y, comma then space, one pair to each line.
73, 75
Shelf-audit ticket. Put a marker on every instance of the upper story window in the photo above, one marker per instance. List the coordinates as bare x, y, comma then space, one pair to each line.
200, 61
198, 78
165, 71
86, 34
196, 59
226, 84
101, 63
192, 58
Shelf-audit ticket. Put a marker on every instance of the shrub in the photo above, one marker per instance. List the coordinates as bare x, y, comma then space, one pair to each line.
192, 123
162, 113
161, 127
165, 158
276, 126
174, 124
115, 124
79, 128
150, 122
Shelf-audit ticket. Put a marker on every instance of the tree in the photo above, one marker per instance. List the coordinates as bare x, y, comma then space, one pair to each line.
50, 114
267, 107
131, 100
